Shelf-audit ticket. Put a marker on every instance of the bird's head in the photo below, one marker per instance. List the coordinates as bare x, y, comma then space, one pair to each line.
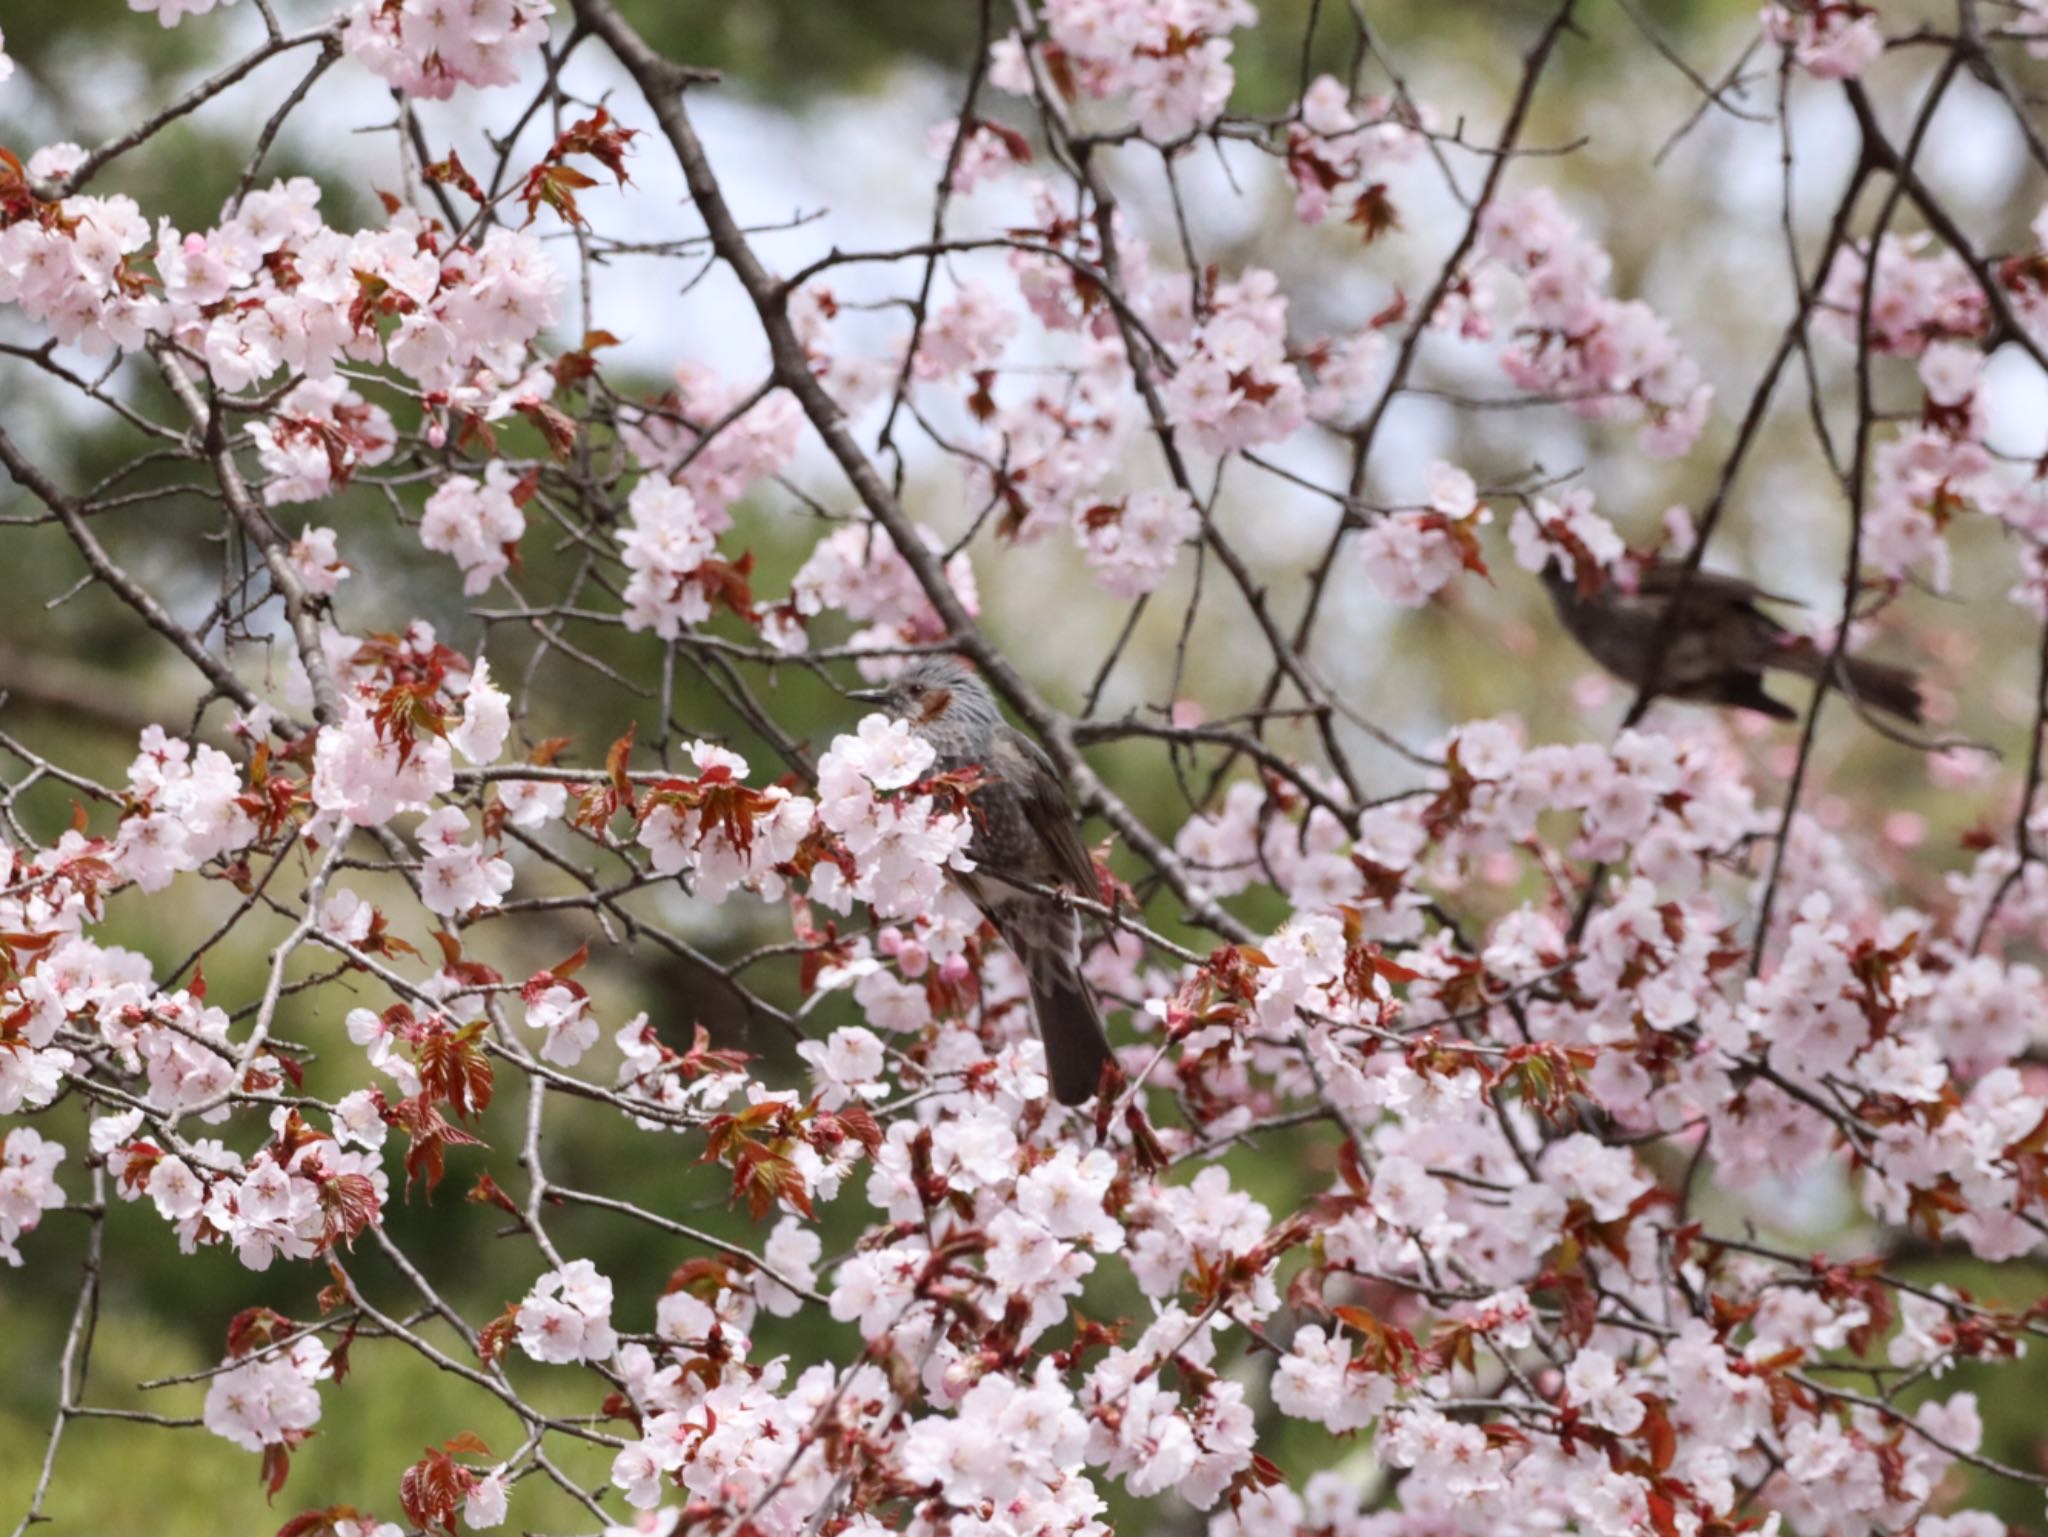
935, 695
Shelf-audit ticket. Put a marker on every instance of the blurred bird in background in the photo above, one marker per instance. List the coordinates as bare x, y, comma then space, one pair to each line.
1718, 645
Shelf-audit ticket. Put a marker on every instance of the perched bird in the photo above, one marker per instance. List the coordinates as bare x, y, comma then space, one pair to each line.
1720, 645
1024, 836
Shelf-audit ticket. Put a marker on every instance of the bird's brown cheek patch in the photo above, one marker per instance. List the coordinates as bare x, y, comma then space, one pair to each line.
936, 702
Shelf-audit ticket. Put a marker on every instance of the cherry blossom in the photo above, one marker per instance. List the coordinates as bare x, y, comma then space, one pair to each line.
858, 571
1568, 532
486, 717
1918, 295
170, 12
456, 876
758, 437
1340, 153
670, 541
567, 1315
985, 149
188, 810
532, 803
83, 287
1133, 543
1235, 388
1608, 357
28, 1186
1829, 39
1411, 555
366, 779
321, 433
268, 1398
1170, 57
478, 523
484, 1503
316, 557
430, 47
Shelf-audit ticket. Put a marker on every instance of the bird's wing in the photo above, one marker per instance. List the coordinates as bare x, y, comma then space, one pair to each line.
1023, 763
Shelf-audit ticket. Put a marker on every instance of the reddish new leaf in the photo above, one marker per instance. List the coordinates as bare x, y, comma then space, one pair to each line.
431, 1492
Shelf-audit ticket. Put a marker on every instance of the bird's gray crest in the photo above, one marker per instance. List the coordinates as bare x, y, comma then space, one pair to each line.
943, 700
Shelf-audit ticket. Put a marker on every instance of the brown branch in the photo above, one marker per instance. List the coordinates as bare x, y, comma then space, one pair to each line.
118, 581
186, 104
662, 83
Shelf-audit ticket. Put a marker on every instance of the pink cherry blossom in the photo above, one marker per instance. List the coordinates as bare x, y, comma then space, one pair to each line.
671, 538
985, 150
456, 876
486, 718
28, 1186
858, 571
1133, 544
269, 1397
429, 47
170, 12
1610, 358
1235, 387
567, 1315
1829, 39
476, 522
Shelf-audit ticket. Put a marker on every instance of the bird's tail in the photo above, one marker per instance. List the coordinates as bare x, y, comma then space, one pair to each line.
1876, 685
1076, 1047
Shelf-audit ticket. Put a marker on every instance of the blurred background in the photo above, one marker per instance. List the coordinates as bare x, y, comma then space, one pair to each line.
823, 122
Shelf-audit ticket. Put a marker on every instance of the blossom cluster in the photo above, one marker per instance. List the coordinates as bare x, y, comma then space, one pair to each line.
273, 288
567, 1316
858, 571
1829, 39
1919, 294
984, 150
1924, 303
267, 1399
1413, 554
28, 1185
903, 844
1235, 387
671, 539
1340, 154
188, 809
713, 437
1170, 58
1611, 358
430, 48
1133, 542
477, 523
722, 835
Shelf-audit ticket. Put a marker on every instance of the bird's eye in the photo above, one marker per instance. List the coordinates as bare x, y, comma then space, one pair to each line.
915, 691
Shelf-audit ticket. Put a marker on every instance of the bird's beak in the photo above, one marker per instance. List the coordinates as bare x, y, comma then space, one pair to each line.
866, 695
